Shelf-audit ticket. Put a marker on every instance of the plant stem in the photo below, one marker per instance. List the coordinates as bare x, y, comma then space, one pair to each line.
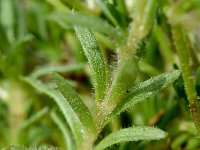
187, 75
128, 60
144, 15
16, 107
123, 80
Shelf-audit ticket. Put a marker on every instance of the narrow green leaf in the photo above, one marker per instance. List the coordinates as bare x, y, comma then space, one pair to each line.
90, 22
120, 19
65, 131
13, 147
106, 11
115, 12
143, 90
121, 5
76, 103
59, 69
165, 44
69, 114
131, 134
96, 61
149, 14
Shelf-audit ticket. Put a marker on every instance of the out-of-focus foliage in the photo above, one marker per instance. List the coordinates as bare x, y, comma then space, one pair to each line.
38, 38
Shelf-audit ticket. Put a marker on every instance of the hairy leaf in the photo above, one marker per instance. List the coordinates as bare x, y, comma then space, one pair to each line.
76, 103
69, 114
131, 134
146, 89
13, 147
96, 61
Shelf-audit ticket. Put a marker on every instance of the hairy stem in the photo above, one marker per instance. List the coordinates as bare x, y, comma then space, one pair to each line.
187, 75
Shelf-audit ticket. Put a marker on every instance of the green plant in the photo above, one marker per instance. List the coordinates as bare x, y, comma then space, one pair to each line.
87, 124
112, 96
130, 85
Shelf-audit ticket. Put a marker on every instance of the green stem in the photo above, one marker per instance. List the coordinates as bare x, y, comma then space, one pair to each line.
128, 61
144, 15
16, 108
123, 80
187, 75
